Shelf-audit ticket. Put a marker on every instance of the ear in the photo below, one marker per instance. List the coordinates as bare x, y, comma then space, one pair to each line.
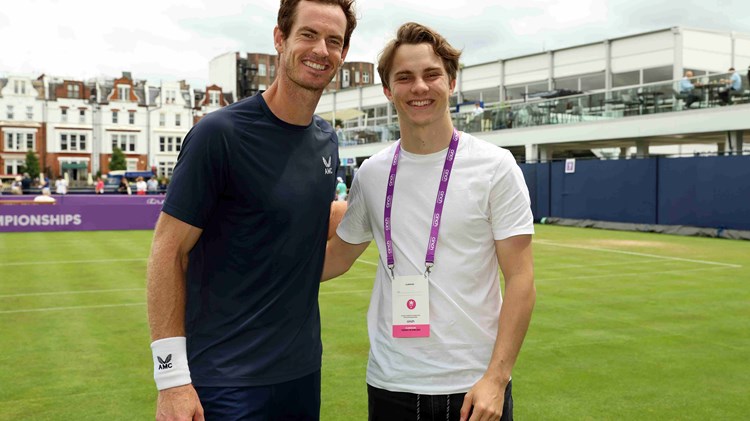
387, 93
452, 86
343, 55
278, 40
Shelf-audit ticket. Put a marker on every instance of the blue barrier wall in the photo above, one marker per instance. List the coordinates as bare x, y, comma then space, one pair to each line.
703, 192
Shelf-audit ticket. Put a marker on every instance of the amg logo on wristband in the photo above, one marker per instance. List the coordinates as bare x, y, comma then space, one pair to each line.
165, 363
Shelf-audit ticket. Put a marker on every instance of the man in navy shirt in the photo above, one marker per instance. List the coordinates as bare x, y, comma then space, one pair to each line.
238, 250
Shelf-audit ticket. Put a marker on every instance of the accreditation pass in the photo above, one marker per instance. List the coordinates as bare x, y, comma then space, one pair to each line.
411, 307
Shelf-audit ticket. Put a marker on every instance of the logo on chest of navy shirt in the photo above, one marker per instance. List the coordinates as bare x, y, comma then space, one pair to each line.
327, 162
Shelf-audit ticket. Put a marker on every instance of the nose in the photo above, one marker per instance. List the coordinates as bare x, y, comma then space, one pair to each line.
419, 85
320, 48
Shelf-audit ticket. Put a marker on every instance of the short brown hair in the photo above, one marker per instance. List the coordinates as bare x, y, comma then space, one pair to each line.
288, 12
414, 33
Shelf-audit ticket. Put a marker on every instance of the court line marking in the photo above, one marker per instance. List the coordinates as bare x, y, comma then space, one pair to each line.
367, 262
63, 262
90, 291
611, 275
633, 253
37, 310
555, 267
360, 290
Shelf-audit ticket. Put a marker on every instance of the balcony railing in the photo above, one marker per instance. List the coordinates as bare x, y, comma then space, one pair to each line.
646, 99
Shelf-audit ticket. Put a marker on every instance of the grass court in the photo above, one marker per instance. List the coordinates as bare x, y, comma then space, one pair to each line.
627, 325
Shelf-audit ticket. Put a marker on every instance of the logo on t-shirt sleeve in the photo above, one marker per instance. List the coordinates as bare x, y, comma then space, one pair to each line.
327, 162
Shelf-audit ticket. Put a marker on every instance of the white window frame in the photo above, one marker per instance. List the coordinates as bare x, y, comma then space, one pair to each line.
30, 112
131, 117
74, 141
166, 168
125, 141
9, 112
64, 115
81, 116
15, 140
13, 166
213, 97
365, 77
131, 164
123, 92
19, 87
170, 144
178, 120
115, 117
262, 69
345, 78
74, 91
162, 119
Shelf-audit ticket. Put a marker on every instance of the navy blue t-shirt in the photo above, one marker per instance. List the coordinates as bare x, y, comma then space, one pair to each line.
261, 190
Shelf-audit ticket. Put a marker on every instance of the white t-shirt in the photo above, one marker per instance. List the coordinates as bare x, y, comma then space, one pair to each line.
486, 200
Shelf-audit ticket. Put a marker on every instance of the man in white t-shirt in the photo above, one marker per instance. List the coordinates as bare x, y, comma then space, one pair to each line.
446, 210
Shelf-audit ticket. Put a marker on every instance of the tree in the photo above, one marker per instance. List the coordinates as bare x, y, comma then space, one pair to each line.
117, 162
31, 165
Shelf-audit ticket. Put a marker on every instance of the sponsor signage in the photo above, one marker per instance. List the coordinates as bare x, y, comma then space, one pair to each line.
80, 213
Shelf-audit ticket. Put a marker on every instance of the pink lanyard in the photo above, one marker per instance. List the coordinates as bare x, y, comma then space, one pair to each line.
439, 201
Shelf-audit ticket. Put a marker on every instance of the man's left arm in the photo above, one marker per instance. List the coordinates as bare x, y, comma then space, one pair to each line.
516, 263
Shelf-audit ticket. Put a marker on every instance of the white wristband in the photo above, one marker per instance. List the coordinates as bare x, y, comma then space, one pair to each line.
170, 362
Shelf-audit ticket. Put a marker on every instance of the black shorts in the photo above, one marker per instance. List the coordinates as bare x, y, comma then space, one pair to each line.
384, 405
295, 400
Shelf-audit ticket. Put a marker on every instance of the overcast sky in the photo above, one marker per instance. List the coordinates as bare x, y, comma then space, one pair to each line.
172, 40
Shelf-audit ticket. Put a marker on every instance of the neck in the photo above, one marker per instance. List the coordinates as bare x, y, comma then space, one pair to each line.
290, 103
428, 139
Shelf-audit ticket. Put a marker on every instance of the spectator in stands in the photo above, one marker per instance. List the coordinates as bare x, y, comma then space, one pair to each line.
474, 119
26, 183
340, 134
16, 187
734, 84
163, 183
340, 189
478, 110
152, 186
124, 187
45, 197
687, 89
61, 186
140, 186
460, 357
99, 187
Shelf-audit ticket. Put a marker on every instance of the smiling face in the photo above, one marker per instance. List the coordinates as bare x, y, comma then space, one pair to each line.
312, 53
419, 86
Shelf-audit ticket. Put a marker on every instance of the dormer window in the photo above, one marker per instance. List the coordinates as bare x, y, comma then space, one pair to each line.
74, 91
123, 92
213, 97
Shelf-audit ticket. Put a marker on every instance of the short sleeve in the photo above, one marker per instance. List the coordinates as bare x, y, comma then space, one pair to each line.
200, 175
510, 206
355, 227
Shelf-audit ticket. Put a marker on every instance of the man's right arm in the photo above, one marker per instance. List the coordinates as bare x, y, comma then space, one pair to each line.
340, 256
173, 240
